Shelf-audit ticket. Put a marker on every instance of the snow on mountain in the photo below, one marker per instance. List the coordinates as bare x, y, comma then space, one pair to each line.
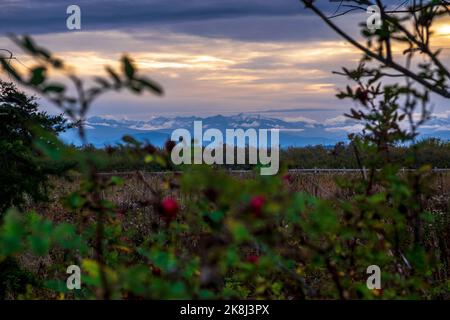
295, 131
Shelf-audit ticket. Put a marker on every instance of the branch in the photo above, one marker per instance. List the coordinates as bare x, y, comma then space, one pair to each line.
442, 92
391, 75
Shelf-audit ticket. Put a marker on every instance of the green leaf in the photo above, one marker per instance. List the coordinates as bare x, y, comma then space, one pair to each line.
48, 149
217, 216
239, 231
75, 201
128, 67
38, 76
149, 159
11, 233
38, 244
54, 88
114, 76
152, 86
117, 181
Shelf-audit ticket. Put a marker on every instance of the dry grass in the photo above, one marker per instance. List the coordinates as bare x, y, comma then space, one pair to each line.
130, 199
134, 192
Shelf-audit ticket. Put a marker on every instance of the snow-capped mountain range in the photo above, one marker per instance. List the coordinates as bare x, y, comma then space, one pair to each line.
294, 131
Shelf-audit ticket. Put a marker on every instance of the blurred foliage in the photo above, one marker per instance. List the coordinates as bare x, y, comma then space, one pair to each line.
23, 172
212, 235
124, 157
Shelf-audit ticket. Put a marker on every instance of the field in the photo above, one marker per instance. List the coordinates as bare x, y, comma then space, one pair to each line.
140, 220
317, 182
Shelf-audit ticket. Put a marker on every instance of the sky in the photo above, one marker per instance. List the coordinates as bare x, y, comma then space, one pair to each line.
211, 56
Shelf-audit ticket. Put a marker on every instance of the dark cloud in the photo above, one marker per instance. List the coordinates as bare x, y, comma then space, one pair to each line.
249, 20
150, 26
49, 15
259, 29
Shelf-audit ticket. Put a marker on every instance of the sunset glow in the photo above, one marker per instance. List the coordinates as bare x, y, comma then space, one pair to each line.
208, 67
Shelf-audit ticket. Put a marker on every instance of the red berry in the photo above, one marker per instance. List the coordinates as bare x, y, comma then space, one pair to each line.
156, 271
257, 204
169, 208
288, 178
254, 259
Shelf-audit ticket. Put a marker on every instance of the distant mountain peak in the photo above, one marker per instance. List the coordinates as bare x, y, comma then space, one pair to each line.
294, 131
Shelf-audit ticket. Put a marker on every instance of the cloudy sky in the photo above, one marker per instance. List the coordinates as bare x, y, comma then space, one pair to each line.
211, 56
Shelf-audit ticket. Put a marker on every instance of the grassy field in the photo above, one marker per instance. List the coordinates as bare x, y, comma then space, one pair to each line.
132, 194
319, 183
141, 218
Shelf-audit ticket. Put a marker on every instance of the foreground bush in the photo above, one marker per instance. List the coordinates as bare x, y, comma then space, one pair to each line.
215, 236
